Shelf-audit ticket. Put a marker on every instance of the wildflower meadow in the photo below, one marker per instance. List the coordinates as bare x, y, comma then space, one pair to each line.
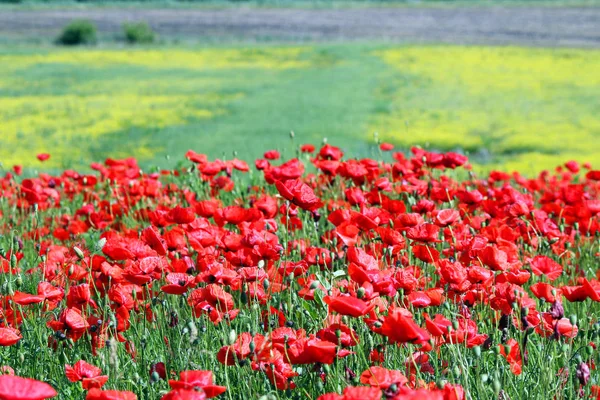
303, 275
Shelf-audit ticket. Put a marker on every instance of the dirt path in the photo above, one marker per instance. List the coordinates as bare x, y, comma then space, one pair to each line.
485, 25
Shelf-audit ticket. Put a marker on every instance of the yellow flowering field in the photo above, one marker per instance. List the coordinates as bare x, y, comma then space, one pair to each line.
514, 108
523, 109
64, 101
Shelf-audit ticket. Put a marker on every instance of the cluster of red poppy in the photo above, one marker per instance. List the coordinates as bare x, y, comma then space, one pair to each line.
383, 246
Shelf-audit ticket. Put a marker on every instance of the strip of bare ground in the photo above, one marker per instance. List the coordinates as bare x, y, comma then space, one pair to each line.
543, 26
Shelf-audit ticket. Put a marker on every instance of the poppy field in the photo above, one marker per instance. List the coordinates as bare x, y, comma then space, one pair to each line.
310, 276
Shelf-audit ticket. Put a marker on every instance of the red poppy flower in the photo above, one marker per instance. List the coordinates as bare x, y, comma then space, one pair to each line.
311, 350
194, 380
427, 233
271, 155
89, 375
542, 265
43, 156
386, 147
399, 327
307, 148
97, 394
17, 388
348, 305
195, 157
182, 394
9, 336
299, 193
513, 356
382, 377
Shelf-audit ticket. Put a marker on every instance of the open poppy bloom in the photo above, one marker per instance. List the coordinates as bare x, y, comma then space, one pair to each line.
197, 381
299, 193
382, 378
97, 394
90, 376
17, 388
9, 336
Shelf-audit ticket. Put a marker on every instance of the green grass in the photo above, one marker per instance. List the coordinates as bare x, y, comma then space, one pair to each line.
508, 107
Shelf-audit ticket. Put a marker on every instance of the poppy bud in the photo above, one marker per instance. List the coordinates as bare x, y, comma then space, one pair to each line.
252, 346
477, 351
154, 377
455, 325
13, 260
589, 350
484, 378
19, 281
100, 244
232, 336
573, 319
497, 386
266, 284
79, 252
292, 134
193, 332
261, 263
314, 285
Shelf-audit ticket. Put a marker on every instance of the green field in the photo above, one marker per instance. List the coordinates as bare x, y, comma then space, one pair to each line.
514, 108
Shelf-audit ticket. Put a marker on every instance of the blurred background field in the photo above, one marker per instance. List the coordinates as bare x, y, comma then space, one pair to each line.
508, 107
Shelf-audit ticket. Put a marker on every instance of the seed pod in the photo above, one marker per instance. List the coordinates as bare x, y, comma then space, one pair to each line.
360, 293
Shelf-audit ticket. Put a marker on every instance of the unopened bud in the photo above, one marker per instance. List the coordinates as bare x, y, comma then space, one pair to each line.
232, 336
497, 386
79, 252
